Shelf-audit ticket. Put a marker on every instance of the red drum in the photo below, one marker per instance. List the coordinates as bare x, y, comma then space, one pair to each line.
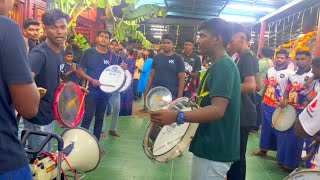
67, 100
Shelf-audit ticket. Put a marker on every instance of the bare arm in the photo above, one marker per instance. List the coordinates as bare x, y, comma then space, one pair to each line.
181, 83
249, 85
194, 75
82, 74
27, 106
298, 129
258, 84
150, 81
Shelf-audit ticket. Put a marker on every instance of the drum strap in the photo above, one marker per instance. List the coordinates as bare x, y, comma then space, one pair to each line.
203, 93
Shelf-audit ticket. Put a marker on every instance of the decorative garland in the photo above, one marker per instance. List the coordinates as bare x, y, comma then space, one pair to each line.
297, 45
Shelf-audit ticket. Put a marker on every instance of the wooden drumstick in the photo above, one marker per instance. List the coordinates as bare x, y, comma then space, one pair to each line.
277, 119
106, 85
87, 85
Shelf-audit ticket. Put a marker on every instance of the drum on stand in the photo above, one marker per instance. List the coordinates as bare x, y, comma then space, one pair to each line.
283, 118
157, 98
304, 174
127, 82
112, 79
163, 144
67, 107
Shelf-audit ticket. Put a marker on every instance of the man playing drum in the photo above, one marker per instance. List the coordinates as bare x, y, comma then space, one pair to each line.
216, 144
275, 85
93, 62
308, 124
289, 145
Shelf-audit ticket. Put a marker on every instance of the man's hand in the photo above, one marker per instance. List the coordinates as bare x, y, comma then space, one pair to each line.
163, 117
124, 66
42, 91
84, 90
95, 82
73, 67
284, 103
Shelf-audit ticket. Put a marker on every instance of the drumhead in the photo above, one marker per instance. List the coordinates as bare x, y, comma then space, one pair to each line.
112, 79
166, 143
67, 100
157, 98
284, 118
127, 82
304, 174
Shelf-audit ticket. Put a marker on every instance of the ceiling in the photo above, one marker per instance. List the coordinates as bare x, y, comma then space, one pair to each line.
233, 10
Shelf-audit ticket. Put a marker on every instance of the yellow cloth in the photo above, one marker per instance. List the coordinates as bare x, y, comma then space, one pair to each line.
139, 65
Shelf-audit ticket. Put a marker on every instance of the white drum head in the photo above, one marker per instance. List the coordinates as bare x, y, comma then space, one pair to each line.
157, 98
127, 82
112, 79
305, 174
283, 119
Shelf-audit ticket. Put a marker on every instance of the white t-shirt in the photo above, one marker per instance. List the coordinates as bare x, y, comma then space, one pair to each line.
281, 78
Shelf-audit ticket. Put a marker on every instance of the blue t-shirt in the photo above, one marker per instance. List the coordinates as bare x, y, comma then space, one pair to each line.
14, 69
45, 63
65, 68
94, 63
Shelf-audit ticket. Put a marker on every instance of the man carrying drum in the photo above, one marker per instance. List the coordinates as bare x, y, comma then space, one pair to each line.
275, 85
93, 62
289, 144
216, 144
308, 124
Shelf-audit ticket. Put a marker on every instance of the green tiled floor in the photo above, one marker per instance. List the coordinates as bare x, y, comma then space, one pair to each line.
125, 159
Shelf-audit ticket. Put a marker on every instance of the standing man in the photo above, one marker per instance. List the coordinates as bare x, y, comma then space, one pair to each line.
216, 143
275, 82
290, 145
136, 76
92, 64
45, 66
192, 76
167, 69
15, 82
31, 29
248, 68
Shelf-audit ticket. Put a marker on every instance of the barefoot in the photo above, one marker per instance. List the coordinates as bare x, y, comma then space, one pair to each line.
103, 134
102, 152
259, 153
114, 133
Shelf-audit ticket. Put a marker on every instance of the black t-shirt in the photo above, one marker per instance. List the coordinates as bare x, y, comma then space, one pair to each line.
65, 68
45, 63
248, 66
94, 63
14, 69
167, 69
194, 61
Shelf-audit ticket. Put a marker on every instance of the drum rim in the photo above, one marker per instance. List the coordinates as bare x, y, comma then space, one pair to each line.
293, 121
56, 108
124, 79
127, 78
153, 89
97, 142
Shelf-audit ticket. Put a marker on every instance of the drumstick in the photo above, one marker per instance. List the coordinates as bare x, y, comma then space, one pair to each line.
87, 84
106, 85
313, 143
277, 119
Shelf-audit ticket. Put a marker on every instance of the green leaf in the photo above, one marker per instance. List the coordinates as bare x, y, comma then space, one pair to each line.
131, 1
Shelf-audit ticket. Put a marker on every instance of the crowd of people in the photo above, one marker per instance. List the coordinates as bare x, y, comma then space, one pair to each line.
237, 93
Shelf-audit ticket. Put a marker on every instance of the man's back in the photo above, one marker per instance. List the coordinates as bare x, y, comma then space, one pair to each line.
14, 71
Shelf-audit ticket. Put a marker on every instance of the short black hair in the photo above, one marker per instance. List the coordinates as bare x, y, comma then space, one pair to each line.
50, 17
168, 36
151, 53
316, 62
283, 51
105, 32
130, 49
30, 22
236, 28
307, 53
189, 40
217, 27
268, 52
72, 37
68, 52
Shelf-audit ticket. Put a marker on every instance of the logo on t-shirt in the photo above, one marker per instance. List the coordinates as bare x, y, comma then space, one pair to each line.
106, 61
192, 59
282, 76
171, 61
306, 78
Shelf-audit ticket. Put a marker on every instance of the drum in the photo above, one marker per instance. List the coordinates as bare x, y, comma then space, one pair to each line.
157, 98
283, 118
127, 82
304, 174
163, 144
112, 79
67, 109
188, 67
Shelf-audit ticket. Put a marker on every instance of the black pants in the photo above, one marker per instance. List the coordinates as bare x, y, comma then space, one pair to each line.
238, 169
136, 94
94, 107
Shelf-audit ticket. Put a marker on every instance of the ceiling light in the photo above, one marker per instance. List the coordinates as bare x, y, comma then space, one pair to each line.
248, 7
157, 37
158, 29
237, 18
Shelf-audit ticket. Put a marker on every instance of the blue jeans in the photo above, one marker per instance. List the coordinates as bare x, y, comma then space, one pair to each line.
35, 141
94, 106
115, 109
18, 174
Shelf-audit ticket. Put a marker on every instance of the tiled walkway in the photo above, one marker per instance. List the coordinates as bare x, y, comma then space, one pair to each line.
125, 159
